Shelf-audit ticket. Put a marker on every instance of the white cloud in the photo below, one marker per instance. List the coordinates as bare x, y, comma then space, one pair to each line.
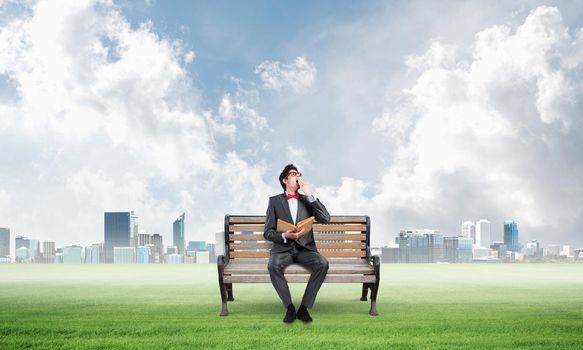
300, 76
238, 109
298, 155
488, 132
5, 199
106, 119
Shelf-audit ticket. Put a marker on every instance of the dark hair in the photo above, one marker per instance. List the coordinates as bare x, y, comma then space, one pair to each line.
284, 173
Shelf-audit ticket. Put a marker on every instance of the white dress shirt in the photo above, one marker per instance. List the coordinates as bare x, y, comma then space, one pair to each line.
293, 208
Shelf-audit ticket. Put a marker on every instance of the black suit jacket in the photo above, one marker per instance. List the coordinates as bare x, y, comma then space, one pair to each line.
278, 208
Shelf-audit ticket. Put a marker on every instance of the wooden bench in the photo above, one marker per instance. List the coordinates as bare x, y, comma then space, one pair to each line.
344, 242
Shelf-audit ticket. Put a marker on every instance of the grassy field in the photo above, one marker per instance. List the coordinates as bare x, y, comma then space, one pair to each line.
177, 306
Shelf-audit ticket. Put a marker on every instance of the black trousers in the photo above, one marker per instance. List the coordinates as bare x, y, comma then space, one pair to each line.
309, 259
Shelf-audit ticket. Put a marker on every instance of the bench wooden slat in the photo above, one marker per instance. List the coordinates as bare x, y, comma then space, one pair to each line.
234, 219
258, 219
301, 278
236, 268
265, 254
317, 227
319, 245
317, 237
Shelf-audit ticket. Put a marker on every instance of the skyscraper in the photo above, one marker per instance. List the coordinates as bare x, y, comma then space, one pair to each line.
4, 241
511, 236
469, 230
34, 249
117, 232
48, 249
158, 253
142, 239
133, 229
178, 233
483, 234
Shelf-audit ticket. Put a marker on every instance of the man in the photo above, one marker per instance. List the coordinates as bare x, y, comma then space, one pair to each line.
289, 247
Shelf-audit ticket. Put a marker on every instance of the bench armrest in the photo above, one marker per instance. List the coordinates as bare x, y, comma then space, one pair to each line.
222, 261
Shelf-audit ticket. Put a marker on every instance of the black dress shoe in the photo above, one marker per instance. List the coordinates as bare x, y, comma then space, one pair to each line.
303, 314
290, 315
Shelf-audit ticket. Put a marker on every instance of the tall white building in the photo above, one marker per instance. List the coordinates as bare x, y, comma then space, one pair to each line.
469, 230
567, 251
483, 237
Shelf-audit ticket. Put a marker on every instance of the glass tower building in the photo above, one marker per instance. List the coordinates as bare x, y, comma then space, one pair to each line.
511, 236
117, 232
178, 233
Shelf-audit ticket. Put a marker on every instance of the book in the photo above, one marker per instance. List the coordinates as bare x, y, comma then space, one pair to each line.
303, 226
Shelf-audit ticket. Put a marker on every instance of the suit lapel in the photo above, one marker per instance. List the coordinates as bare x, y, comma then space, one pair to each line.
285, 208
302, 210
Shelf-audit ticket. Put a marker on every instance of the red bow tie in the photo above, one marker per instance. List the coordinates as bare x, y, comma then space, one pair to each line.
296, 196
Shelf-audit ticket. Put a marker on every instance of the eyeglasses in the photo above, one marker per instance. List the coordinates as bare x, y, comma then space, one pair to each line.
294, 173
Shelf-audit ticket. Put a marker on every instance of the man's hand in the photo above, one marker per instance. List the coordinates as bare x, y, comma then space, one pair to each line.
304, 186
293, 233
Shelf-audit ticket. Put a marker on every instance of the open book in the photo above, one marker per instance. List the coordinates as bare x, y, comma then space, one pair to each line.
305, 225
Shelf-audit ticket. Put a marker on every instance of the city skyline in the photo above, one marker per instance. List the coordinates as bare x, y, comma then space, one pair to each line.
416, 113
123, 242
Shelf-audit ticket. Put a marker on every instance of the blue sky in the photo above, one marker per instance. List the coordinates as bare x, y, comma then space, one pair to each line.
421, 114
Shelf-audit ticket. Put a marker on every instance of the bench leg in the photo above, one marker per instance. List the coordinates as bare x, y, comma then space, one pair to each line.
375, 287
222, 286
229, 291
365, 287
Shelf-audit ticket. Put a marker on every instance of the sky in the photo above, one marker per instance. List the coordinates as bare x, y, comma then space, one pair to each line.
420, 114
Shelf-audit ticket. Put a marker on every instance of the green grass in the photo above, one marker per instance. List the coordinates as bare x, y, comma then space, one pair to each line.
177, 306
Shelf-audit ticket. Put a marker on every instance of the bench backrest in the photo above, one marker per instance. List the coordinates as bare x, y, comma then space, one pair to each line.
345, 237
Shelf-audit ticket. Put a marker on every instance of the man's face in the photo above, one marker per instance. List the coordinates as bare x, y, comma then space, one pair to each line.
291, 180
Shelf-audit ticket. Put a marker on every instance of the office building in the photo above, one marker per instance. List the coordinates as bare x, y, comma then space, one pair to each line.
178, 233
174, 259
420, 246
48, 249
143, 239
21, 241
124, 255
4, 242
469, 230
553, 250
22, 255
483, 237
143, 254
158, 250
94, 254
482, 253
533, 249
500, 247
511, 236
390, 254
196, 246
72, 254
211, 250
34, 249
567, 251
117, 231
